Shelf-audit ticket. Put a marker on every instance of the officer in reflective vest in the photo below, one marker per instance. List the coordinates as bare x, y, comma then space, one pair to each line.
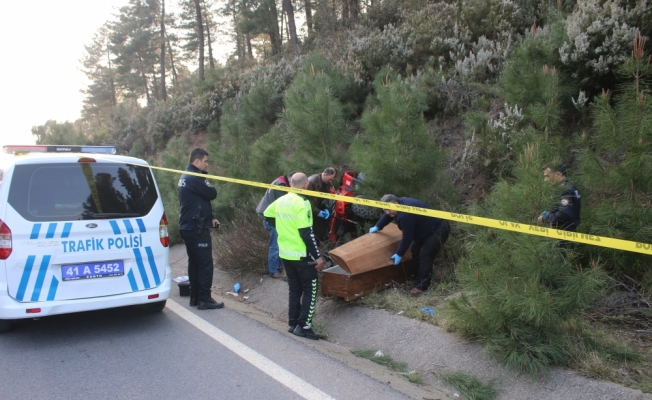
291, 214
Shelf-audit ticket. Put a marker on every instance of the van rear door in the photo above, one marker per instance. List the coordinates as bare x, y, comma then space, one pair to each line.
83, 230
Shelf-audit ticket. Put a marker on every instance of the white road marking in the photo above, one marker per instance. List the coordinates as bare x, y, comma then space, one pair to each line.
285, 377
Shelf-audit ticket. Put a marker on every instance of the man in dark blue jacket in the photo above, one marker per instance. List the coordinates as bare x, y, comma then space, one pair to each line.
565, 215
195, 220
425, 234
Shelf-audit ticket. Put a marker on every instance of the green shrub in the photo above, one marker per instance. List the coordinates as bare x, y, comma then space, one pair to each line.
395, 149
518, 290
315, 131
616, 167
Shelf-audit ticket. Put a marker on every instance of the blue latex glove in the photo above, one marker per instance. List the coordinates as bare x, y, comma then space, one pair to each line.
373, 229
544, 213
396, 258
324, 214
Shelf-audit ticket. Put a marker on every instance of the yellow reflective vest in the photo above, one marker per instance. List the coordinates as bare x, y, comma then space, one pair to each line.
292, 212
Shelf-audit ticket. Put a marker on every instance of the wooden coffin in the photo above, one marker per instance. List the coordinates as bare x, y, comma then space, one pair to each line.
364, 265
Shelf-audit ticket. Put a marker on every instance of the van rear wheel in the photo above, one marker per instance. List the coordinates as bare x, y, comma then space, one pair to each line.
6, 325
154, 307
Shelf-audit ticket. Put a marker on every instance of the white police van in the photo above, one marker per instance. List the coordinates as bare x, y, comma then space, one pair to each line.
79, 231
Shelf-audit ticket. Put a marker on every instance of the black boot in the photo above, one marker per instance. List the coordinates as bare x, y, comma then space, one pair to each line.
209, 304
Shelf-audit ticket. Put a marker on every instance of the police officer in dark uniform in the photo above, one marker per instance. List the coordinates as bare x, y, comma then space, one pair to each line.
425, 234
566, 214
195, 221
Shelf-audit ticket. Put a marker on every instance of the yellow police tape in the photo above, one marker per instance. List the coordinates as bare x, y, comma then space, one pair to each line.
618, 244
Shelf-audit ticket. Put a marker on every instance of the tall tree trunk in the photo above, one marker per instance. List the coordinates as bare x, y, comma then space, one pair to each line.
210, 47
287, 5
114, 100
283, 22
142, 73
354, 12
200, 37
345, 12
307, 5
250, 52
239, 42
274, 35
155, 87
164, 93
174, 69
208, 38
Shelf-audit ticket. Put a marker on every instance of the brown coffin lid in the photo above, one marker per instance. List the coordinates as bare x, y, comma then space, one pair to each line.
370, 251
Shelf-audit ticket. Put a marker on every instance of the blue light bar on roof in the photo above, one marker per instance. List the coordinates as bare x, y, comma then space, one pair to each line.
11, 149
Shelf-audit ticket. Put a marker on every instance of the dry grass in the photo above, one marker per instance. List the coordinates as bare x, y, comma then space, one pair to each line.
470, 387
611, 350
390, 363
242, 244
398, 300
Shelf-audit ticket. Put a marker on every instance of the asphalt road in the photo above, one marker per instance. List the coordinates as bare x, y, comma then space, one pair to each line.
180, 353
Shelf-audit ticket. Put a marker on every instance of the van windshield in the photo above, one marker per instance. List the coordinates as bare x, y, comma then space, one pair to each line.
81, 191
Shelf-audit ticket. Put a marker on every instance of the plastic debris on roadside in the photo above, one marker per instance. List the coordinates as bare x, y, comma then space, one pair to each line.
236, 287
233, 294
379, 353
245, 297
180, 279
400, 312
246, 290
428, 310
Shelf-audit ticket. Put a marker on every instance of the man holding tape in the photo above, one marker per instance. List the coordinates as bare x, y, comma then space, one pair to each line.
565, 215
425, 234
291, 215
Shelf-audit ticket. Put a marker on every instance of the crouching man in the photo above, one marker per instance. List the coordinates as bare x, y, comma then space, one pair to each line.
426, 235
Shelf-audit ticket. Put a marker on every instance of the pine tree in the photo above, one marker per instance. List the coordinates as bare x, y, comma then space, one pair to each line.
134, 39
316, 130
395, 148
101, 94
64, 133
616, 166
518, 290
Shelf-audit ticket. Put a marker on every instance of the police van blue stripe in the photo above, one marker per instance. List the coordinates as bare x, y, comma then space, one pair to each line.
141, 225
51, 229
116, 228
152, 264
141, 268
40, 278
132, 280
130, 229
25, 278
66, 230
35, 231
53, 288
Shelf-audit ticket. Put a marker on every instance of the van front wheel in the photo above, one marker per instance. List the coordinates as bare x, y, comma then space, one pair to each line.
6, 325
154, 307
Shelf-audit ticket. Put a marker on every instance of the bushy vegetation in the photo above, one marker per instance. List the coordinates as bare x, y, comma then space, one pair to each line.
418, 95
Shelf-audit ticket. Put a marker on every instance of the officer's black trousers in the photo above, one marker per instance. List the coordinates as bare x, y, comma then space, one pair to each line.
302, 279
424, 253
200, 263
